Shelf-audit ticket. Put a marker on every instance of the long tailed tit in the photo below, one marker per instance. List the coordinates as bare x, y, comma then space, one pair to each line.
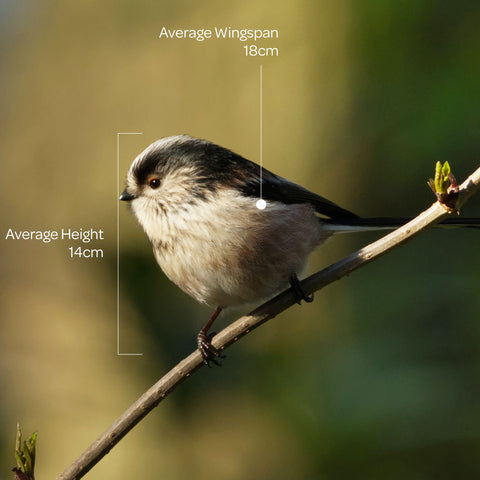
198, 204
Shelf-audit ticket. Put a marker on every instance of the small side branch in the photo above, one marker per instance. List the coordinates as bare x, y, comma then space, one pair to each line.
244, 325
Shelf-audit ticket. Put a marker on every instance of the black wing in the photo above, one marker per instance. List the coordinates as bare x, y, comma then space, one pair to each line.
217, 167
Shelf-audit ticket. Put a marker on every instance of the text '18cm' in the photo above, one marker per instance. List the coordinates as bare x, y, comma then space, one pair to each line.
254, 51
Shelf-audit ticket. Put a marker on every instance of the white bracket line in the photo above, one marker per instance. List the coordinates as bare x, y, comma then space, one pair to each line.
118, 241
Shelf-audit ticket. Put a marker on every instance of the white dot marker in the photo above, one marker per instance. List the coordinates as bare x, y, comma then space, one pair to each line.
261, 204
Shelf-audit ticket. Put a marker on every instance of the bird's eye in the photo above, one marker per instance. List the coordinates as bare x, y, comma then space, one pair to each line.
154, 182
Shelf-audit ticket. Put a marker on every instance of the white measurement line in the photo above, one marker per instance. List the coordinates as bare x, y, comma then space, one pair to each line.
118, 241
261, 204
261, 128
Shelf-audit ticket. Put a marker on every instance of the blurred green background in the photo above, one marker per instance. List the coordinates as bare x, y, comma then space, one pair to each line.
379, 378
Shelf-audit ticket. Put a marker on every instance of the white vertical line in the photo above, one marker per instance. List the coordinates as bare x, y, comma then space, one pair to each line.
261, 129
118, 243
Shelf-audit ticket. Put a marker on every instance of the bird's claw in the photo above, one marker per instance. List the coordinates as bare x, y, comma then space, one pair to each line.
207, 350
299, 292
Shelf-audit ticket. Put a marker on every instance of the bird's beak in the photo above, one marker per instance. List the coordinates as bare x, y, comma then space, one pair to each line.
126, 196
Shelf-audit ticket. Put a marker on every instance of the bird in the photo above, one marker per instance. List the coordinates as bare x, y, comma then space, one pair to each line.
229, 232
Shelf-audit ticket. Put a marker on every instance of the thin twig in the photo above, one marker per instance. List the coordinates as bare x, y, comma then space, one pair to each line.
241, 327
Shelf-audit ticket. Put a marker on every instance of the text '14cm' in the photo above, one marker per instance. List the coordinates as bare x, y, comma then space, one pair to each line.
80, 252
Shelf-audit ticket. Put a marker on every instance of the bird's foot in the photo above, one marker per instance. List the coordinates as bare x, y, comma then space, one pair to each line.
207, 350
298, 291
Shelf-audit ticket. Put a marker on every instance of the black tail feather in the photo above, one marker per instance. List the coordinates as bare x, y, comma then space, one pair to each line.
389, 222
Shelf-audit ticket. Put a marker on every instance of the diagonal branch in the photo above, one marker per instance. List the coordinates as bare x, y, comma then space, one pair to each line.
244, 325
